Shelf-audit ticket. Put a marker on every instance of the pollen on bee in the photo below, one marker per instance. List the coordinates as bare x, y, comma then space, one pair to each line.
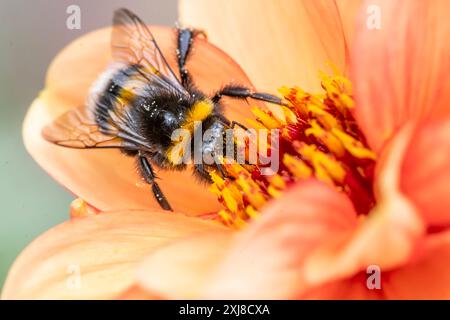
146, 107
141, 184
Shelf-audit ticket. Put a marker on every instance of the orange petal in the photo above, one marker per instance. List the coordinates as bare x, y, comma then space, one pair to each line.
387, 237
353, 288
182, 269
94, 257
426, 172
401, 70
349, 11
136, 292
264, 261
277, 42
106, 178
425, 278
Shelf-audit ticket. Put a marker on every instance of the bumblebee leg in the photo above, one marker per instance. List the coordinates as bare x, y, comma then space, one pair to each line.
220, 167
231, 124
200, 171
149, 176
240, 92
184, 44
238, 124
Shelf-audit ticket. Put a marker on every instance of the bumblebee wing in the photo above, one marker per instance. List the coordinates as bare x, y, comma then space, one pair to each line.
132, 42
77, 129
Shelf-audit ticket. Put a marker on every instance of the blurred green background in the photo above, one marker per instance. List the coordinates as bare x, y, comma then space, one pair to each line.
31, 34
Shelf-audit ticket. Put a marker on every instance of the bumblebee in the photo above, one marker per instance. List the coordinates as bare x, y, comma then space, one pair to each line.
138, 102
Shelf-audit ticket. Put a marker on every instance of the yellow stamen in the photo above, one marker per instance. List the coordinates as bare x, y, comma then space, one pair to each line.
277, 181
319, 138
355, 147
326, 167
252, 191
274, 192
297, 167
251, 212
328, 139
266, 119
325, 118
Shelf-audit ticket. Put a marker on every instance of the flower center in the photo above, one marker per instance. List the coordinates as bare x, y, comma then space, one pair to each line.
318, 138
